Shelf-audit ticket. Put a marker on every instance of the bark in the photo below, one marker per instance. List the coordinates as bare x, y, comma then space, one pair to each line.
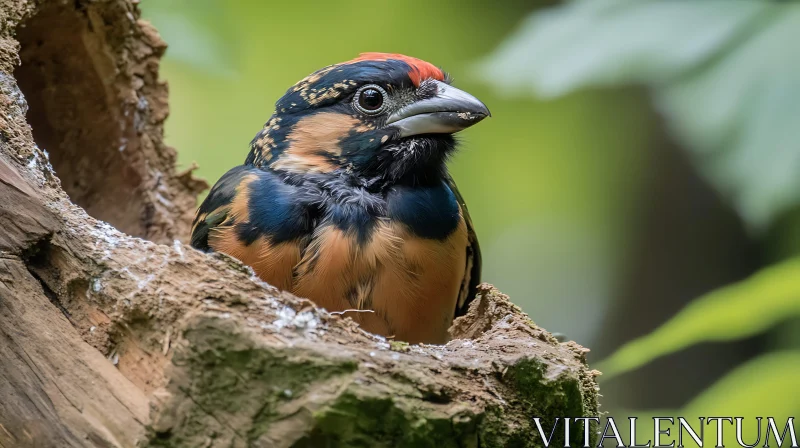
135, 339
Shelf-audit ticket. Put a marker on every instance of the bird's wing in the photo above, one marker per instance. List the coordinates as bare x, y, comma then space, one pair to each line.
216, 208
256, 218
472, 270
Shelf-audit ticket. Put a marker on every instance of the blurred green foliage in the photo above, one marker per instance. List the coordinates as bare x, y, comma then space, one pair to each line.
718, 70
722, 74
748, 391
733, 312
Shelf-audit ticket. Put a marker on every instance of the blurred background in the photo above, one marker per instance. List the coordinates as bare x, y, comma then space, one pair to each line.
636, 189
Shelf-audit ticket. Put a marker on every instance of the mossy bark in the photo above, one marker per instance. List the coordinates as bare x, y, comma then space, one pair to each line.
107, 339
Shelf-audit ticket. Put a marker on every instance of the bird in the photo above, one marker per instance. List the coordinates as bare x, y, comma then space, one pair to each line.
345, 199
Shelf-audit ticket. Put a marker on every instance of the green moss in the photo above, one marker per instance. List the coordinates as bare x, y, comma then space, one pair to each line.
234, 392
358, 419
539, 395
235, 388
497, 431
399, 346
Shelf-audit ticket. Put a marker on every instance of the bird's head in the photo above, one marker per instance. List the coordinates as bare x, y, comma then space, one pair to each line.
380, 117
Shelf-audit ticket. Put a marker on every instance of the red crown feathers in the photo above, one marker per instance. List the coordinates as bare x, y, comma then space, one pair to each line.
419, 69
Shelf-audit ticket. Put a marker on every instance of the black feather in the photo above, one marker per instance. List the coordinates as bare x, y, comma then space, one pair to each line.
214, 209
473, 254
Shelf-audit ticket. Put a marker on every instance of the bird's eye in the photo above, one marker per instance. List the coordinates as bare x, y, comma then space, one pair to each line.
370, 100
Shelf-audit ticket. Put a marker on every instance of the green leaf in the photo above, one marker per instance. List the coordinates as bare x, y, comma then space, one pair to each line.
720, 70
763, 386
733, 312
606, 42
740, 116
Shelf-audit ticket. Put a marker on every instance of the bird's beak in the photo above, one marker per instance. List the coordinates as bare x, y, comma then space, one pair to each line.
449, 111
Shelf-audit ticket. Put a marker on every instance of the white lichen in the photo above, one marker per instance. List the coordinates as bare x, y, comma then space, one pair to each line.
289, 318
554, 371
163, 201
34, 162
178, 248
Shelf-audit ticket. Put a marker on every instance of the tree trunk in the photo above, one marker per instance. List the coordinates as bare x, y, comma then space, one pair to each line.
115, 339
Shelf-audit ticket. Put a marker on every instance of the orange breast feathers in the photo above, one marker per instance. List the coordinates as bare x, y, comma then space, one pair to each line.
411, 284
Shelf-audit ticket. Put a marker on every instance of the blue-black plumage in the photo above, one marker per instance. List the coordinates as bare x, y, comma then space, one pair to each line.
345, 198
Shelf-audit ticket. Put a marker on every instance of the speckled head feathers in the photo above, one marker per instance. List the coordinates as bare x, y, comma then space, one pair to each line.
419, 70
321, 126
